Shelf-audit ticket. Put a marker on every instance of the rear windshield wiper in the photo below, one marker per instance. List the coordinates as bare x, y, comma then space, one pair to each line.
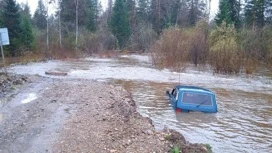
201, 103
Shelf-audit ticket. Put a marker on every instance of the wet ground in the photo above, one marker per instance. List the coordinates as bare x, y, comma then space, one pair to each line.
243, 122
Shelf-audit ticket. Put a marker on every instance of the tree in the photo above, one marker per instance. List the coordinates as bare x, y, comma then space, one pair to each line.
1, 8
27, 37
92, 13
72, 8
268, 12
109, 10
12, 20
229, 12
59, 23
131, 8
120, 23
40, 16
196, 11
255, 12
142, 10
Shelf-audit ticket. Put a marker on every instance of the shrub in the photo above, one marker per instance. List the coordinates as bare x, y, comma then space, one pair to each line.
171, 50
142, 37
267, 41
198, 48
224, 53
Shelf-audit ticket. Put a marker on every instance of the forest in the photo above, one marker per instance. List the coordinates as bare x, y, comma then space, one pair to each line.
174, 32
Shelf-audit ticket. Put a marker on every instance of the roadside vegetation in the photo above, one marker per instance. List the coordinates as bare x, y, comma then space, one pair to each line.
176, 32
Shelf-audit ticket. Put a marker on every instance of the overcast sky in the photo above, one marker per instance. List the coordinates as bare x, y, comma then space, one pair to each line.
33, 5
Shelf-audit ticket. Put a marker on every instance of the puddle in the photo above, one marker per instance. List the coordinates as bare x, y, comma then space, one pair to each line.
30, 98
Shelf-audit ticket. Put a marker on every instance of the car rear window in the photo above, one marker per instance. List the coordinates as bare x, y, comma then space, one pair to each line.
197, 99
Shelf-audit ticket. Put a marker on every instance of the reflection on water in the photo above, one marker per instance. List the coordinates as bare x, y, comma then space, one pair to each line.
243, 122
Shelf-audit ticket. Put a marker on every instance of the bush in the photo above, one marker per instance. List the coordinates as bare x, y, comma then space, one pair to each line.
171, 50
198, 49
142, 37
267, 41
224, 54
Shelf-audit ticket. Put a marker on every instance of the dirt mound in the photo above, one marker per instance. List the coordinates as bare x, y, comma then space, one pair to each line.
106, 120
8, 83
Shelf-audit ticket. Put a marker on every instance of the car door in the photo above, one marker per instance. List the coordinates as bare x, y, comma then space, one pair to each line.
173, 97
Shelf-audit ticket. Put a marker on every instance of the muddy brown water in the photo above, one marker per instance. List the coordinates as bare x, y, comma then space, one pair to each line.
243, 122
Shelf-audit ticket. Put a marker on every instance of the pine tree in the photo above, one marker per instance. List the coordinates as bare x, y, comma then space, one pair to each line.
268, 11
176, 7
229, 12
142, 10
12, 21
131, 8
68, 13
255, 12
196, 11
40, 16
92, 13
156, 15
27, 37
26, 11
120, 23
1, 8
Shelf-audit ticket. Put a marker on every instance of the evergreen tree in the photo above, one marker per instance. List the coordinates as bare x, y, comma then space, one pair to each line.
196, 11
27, 37
255, 12
26, 11
157, 15
1, 8
268, 12
12, 21
229, 12
40, 16
176, 7
92, 13
142, 10
68, 13
120, 23
131, 9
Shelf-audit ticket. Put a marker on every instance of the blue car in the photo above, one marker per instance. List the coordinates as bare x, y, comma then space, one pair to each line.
190, 98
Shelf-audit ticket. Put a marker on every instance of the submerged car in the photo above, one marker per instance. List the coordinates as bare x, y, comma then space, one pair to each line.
190, 98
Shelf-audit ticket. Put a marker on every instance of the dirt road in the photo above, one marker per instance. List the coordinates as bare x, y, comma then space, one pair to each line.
76, 115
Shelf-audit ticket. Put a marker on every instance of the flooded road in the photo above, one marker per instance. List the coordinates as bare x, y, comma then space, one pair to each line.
243, 122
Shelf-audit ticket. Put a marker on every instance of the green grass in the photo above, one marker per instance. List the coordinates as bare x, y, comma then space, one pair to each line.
176, 149
209, 148
167, 137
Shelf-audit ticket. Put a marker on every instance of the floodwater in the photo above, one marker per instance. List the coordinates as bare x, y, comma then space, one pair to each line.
244, 119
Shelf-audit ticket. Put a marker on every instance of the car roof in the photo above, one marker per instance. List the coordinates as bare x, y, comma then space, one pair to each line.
191, 87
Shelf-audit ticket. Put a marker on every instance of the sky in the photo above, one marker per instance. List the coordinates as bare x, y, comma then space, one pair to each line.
33, 5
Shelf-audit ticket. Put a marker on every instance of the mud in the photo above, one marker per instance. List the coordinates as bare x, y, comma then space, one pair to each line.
10, 82
77, 115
